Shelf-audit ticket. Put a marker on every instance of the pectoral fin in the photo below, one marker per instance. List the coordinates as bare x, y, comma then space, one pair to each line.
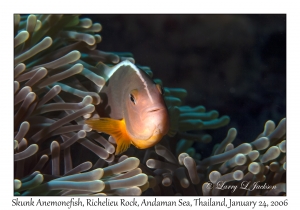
115, 128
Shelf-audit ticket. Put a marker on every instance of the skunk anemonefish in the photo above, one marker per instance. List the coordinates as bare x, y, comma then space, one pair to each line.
132, 109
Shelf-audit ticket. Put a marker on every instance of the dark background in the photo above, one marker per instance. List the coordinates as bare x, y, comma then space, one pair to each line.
235, 64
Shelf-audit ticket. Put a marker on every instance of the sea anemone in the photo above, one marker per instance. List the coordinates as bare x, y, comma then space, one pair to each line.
262, 160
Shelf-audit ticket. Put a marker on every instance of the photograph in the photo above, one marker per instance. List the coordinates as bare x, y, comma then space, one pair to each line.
149, 105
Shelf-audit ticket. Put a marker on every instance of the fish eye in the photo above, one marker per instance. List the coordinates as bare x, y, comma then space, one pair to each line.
160, 89
132, 99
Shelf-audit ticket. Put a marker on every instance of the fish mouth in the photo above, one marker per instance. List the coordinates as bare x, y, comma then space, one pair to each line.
154, 109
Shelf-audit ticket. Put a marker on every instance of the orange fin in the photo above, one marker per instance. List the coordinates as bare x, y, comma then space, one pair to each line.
115, 128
